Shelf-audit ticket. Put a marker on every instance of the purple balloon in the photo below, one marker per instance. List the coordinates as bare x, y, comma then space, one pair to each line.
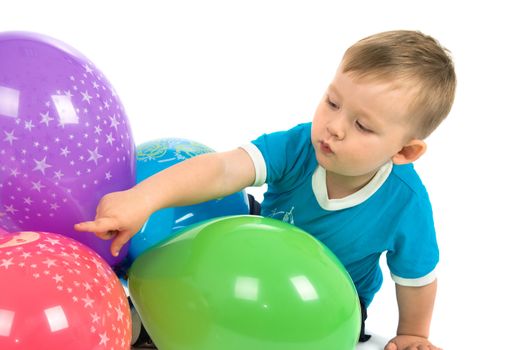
65, 139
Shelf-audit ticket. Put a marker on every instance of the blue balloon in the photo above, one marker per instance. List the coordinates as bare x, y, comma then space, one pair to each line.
157, 155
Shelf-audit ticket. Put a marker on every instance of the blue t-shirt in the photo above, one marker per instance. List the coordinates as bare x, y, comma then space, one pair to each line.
392, 213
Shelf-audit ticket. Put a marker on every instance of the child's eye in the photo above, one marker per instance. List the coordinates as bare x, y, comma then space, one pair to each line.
331, 104
362, 127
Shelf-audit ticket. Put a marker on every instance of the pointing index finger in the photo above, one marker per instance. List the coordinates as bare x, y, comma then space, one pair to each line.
98, 225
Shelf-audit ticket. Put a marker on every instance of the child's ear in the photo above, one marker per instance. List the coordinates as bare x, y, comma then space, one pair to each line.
410, 152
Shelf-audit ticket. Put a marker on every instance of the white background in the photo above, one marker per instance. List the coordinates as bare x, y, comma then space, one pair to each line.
223, 72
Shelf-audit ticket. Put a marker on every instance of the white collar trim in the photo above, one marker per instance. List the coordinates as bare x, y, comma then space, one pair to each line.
321, 192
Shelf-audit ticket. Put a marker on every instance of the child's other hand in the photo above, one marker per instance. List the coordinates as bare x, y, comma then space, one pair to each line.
119, 215
410, 342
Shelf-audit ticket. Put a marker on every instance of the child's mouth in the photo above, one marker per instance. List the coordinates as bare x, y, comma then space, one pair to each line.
325, 148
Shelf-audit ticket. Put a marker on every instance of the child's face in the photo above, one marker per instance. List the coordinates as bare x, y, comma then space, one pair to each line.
360, 124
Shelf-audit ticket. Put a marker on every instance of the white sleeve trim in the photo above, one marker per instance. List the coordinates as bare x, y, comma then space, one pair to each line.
415, 282
258, 163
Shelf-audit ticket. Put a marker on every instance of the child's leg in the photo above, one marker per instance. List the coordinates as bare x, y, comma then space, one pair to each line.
140, 339
255, 207
363, 336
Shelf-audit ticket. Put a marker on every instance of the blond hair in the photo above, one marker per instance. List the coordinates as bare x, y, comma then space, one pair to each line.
413, 57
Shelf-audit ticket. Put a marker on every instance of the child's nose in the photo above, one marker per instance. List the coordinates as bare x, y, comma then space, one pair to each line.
335, 128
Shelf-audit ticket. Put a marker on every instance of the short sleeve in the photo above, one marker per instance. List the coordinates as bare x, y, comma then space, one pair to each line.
279, 158
414, 254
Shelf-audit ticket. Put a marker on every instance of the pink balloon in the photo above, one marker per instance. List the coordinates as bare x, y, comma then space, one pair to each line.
65, 139
59, 294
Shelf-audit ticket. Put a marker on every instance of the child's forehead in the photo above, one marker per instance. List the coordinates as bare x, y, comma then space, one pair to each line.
342, 81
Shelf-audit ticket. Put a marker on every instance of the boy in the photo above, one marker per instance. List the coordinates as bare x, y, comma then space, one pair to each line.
345, 178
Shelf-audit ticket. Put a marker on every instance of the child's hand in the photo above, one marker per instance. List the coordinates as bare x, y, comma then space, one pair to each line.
409, 342
119, 215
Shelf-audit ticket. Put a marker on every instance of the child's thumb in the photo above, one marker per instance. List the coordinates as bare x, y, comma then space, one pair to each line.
391, 346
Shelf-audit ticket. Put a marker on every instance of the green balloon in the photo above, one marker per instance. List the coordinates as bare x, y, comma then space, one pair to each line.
245, 283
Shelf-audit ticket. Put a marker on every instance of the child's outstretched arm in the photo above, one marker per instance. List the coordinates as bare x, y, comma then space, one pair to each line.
121, 214
415, 313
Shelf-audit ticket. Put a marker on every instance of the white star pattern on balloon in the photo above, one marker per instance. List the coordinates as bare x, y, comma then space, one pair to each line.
102, 141
6, 263
51, 264
10, 137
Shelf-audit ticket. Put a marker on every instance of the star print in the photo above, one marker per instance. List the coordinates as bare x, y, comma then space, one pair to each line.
49, 262
64, 151
95, 318
97, 264
74, 247
10, 137
119, 313
45, 118
86, 285
29, 125
10, 209
53, 241
37, 186
58, 175
110, 139
37, 180
87, 68
6, 263
103, 339
94, 155
114, 122
88, 302
86, 97
41, 165
58, 278
14, 172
